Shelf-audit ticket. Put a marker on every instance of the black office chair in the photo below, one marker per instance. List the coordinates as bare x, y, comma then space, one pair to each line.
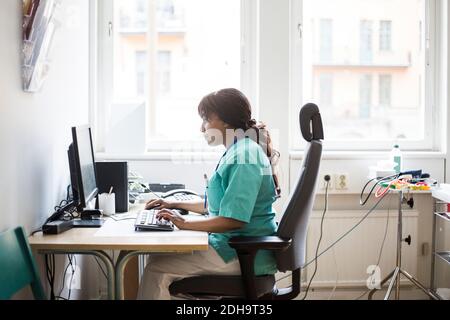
289, 245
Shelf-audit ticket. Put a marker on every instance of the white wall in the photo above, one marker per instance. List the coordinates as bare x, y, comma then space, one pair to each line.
35, 128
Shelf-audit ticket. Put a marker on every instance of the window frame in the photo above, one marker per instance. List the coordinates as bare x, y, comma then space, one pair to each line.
103, 31
435, 96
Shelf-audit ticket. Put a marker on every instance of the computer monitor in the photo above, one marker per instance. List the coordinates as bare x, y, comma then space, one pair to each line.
82, 168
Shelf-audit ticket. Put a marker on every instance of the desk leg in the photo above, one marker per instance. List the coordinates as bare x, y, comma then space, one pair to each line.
106, 259
110, 272
433, 248
399, 245
121, 263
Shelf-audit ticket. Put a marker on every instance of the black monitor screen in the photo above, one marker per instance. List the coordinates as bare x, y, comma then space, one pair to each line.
84, 164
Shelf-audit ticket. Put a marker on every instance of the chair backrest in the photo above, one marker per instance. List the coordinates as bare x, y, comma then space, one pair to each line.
17, 266
294, 222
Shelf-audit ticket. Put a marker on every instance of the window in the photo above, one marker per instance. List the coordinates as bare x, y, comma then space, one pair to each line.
133, 15
353, 84
326, 90
385, 88
365, 31
141, 67
326, 46
385, 35
365, 96
168, 54
164, 71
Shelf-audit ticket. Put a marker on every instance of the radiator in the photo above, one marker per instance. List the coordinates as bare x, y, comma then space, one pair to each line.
348, 261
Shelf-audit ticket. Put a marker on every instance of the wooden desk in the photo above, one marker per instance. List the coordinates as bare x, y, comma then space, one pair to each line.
119, 235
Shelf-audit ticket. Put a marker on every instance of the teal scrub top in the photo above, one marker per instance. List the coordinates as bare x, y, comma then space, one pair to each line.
242, 188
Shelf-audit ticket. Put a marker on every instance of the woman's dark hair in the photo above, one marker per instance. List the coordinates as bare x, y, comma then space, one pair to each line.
233, 108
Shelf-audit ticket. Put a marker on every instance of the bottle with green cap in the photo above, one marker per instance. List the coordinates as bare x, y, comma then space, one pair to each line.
397, 158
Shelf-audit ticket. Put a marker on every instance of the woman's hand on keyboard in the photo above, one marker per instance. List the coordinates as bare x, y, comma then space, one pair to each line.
173, 216
160, 204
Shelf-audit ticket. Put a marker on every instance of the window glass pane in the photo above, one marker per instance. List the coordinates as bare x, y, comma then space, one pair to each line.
168, 54
365, 67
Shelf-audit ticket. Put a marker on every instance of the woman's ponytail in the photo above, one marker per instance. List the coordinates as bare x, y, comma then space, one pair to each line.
264, 140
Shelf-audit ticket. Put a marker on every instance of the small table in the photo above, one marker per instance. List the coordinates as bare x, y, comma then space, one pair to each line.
395, 274
119, 235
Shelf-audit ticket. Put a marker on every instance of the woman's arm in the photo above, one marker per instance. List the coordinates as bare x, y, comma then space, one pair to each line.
197, 206
213, 224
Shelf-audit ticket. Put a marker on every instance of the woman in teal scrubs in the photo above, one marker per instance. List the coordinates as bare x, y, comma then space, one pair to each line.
240, 195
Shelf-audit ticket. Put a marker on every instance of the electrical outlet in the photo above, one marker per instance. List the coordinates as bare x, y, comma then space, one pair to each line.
341, 181
330, 183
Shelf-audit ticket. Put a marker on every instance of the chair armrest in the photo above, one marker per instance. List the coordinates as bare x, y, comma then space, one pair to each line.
259, 243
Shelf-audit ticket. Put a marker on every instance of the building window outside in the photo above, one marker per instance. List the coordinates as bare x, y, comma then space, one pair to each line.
326, 40
163, 73
365, 96
363, 103
141, 70
365, 30
385, 35
385, 90
326, 90
133, 16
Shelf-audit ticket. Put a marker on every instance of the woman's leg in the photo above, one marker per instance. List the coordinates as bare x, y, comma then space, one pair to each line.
162, 270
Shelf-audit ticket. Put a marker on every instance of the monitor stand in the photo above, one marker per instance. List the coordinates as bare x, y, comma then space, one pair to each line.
85, 223
90, 218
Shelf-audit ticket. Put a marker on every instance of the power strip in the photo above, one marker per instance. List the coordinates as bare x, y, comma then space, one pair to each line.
56, 227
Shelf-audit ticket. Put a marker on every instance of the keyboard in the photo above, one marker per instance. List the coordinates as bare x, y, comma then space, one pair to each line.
146, 220
184, 197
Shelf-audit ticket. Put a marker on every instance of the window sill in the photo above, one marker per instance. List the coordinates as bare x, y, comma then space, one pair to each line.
161, 156
356, 155
293, 155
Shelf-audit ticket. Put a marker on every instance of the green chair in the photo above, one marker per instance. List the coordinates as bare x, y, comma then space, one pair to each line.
17, 266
